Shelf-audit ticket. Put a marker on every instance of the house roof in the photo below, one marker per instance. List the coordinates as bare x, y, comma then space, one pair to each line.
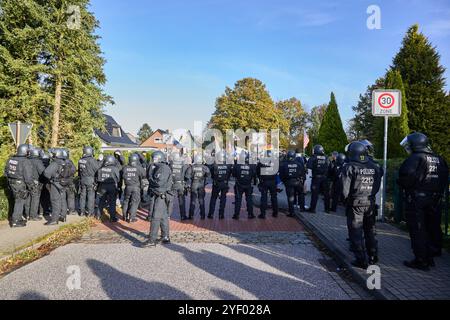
108, 137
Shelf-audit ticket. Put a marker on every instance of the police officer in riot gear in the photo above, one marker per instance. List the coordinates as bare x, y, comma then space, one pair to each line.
108, 177
245, 175
57, 172
292, 173
87, 169
179, 169
423, 176
361, 181
35, 192
45, 194
267, 170
160, 191
132, 174
120, 163
319, 166
197, 175
220, 174
18, 170
335, 177
69, 183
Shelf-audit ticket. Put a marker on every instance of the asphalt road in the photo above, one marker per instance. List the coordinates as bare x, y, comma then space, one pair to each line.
178, 271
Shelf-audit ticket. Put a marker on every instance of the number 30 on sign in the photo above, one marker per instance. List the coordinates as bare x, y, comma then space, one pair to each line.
387, 103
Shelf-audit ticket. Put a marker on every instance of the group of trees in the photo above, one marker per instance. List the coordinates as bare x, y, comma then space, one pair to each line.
417, 72
51, 72
249, 106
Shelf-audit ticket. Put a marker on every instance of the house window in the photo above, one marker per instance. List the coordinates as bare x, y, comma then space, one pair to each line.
116, 132
158, 140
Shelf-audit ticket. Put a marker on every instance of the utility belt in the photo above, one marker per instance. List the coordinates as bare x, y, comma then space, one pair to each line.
14, 180
132, 185
426, 194
361, 201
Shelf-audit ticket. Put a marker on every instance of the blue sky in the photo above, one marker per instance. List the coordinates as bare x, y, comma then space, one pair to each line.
169, 60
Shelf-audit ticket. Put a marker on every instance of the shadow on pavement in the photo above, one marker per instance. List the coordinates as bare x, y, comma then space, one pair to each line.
261, 284
32, 296
121, 286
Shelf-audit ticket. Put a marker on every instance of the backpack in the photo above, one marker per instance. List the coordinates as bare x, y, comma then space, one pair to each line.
65, 174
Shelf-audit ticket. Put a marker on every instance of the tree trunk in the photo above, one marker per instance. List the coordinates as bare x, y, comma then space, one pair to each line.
56, 113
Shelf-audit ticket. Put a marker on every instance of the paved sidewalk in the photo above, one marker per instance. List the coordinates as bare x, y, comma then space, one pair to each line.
12, 239
397, 281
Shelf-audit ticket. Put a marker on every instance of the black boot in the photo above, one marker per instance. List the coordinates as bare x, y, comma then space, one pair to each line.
51, 223
210, 216
262, 216
221, 217
417, 264
235, 217
251, 216
184, 218
165, 240
18, 224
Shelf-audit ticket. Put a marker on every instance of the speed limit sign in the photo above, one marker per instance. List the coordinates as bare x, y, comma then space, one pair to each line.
387, 103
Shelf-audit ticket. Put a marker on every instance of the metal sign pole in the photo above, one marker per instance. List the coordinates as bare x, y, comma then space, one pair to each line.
18, 134
383, 193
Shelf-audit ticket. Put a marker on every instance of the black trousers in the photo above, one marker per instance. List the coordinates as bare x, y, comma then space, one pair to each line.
197, 194
58, 200
45, 199
179, 191
361, 222
240, 191
269, 187
107, 199
319, 185
70, 197
218, 190
19, 193
336, 192
291, 191
160, 216
34, 199
87, 198
423, 216
131, 200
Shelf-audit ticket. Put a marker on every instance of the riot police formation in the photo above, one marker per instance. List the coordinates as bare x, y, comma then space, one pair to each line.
108, 178
361, 181
179, 168
292, 174
245, 175
266, 171
39, 183
161, 194
319, 166
132, 175
220, 174
197, 175
423, 176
